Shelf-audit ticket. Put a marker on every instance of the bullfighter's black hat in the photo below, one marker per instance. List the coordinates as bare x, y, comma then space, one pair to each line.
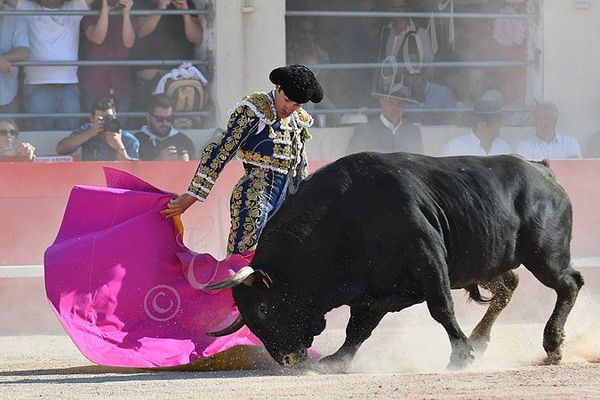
298, 83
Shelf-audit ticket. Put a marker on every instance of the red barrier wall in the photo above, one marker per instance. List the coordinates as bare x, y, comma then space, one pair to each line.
33, 198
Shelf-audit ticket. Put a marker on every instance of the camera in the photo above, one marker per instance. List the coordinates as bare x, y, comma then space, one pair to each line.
111, 124
113, 3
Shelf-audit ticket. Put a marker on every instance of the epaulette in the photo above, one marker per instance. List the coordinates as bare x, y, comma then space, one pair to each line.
262, 105
303, 119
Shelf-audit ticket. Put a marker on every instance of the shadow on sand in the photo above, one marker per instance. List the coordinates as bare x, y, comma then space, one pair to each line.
240, 361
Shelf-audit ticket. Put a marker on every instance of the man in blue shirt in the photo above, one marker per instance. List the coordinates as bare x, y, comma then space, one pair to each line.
429, 96
101, 139
14, 46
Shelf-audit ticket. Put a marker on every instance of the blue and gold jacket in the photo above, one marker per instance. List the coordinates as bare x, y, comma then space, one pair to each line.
256, 136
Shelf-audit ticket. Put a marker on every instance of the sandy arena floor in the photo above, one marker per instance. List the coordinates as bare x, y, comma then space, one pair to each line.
405, 358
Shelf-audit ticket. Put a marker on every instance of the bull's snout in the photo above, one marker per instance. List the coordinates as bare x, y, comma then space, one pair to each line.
292, 359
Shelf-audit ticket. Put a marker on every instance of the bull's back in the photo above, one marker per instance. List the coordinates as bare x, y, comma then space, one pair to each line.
366, 209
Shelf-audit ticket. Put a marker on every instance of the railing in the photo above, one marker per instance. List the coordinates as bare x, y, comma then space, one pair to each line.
95, 12
393, 14
435, 64
325, 66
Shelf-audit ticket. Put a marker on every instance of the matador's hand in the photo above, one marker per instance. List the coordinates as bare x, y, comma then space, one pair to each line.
178, 206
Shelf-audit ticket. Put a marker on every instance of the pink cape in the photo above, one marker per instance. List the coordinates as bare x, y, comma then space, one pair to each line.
122, 283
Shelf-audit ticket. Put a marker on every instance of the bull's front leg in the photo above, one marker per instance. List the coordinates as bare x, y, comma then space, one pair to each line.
441, 309
436, 283
360, 326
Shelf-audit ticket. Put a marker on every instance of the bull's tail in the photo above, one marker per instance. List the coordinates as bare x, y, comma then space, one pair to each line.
476, 296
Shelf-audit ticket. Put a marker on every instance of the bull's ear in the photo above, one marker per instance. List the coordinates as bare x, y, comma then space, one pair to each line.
260, 278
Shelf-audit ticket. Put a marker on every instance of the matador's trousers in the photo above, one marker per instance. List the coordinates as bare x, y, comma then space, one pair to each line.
255, 198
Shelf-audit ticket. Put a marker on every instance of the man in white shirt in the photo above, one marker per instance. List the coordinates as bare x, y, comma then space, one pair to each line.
51, 89
484, 139
547, 143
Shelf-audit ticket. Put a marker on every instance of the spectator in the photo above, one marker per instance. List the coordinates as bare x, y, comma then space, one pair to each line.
593, 147
9, 149
390, 132
162, 37
14, 46
484, 139
159, 139
393, 35
101, 139
474, 84
428, 95
106, 37
50, 89
547, 143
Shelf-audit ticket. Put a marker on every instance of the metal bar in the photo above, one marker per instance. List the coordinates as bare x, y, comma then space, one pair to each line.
37, 271
96, 12
21, 271
434, 64
363, 110
329, 66
84, 115
391, 14
46, 63
456, 110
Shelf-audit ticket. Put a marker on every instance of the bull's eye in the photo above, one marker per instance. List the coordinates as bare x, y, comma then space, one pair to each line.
262, 310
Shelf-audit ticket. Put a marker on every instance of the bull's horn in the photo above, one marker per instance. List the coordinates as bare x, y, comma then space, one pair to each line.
230, 282
234, 327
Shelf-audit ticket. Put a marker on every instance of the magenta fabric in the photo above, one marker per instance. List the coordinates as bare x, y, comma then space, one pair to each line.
122, 283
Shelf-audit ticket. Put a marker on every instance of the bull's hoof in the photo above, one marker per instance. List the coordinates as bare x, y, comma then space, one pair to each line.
554, 357
479, 344
334, 364
294, 359
460, 360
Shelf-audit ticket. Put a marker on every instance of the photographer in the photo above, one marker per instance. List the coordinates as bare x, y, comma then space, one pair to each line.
159, 139
101, 139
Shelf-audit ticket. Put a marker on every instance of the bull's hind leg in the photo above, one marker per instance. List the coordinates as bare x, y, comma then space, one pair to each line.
566, 282
567, 289
502, 289
360, 326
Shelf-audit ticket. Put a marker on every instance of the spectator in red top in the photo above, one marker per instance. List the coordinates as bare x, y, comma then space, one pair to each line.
106, 37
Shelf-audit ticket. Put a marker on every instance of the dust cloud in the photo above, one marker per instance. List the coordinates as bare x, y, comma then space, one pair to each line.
410, 341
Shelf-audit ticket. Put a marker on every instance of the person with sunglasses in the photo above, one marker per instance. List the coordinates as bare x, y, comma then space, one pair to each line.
102, 138
10, 150
267, 132
159, 139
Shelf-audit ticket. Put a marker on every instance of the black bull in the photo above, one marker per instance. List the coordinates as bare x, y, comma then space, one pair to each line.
381, 232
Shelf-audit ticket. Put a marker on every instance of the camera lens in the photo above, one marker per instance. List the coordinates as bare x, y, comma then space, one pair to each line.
112, 124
